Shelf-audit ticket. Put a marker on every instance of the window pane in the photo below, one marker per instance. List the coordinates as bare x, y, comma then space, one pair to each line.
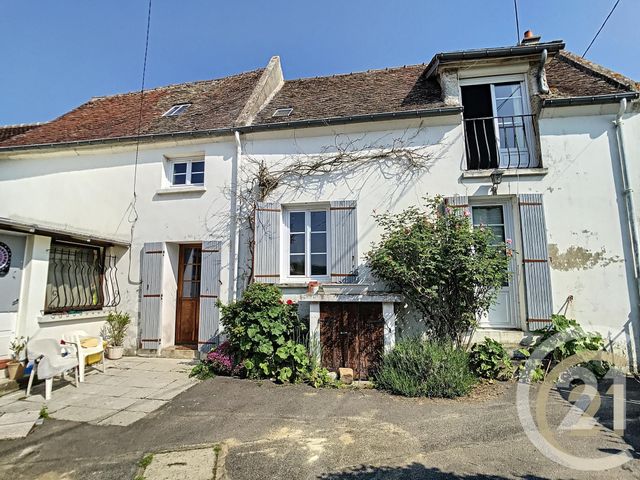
197, 178
318, 264
508, 90
190, 289
318, 221
179, 179
487, 216
197, 167
318, 243
498, 234
179, 168
296, 221
296, 265
296, 244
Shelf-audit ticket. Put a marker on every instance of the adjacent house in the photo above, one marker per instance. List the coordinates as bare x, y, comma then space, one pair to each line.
162, 203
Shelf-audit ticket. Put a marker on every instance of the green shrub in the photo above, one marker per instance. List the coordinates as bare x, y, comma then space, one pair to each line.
417, 368
448, 271
491, 360
260, 329
583, 341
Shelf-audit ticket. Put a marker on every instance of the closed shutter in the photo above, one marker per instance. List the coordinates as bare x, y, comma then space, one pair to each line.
151, 295
209, 324
535, 258
344, 241
458, 204
266, 255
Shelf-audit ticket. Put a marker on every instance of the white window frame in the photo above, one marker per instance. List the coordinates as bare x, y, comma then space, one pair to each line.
285, 264
189, 162
176, 110
526, 107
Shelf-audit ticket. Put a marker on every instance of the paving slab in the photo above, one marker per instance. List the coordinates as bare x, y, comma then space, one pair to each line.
146, 405
122, 418
19, 417
195, 464
15, 430
83, 414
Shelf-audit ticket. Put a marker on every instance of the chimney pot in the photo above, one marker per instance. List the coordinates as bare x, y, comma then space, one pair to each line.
530, 38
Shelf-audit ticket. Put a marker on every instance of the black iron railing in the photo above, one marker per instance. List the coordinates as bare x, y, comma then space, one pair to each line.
501, 142
81, 278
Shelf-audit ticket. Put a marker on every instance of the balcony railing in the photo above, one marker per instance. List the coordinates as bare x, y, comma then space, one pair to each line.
501, 142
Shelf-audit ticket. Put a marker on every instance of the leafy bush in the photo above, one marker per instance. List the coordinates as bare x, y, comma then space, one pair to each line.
417, 368
202, 371
260, 329
491, 360
583, 341
318, 377
115, 328
447, 270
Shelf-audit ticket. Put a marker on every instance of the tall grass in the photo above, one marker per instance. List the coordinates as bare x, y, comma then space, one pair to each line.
417, 368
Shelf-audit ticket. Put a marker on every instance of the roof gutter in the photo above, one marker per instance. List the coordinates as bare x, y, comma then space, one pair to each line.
320, 122
589, 100
488, 53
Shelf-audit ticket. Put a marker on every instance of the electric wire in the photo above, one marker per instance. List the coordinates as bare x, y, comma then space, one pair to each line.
601, 27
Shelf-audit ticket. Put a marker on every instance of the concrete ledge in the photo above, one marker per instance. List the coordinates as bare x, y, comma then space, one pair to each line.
509, 172
178, 190
93, 315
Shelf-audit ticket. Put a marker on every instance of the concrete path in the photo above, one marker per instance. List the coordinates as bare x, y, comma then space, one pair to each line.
296, 432
129, 389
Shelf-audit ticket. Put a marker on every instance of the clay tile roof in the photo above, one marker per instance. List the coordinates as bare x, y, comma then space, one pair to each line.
214, 104
9, 131
374, 91
569, 75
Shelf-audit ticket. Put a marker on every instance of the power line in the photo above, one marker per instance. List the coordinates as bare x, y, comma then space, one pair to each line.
515, 6
133, 213
601, 27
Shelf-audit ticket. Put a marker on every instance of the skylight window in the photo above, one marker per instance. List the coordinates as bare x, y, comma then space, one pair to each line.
282, 112
176, 110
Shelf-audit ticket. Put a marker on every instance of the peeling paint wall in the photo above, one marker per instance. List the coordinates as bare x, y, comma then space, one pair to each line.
579, 258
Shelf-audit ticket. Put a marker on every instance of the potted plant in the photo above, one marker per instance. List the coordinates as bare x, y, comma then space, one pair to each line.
116, 332
15, 368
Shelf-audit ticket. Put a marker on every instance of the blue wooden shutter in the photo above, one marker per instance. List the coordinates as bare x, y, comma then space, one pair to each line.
535, 258
209, 325
344, 241
457, 204
151, 295
266, 254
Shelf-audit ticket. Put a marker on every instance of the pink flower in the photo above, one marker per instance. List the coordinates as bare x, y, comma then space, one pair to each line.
508, 241
289, 302
467, 213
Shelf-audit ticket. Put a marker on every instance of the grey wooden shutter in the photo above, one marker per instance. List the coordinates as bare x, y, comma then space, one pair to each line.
151, 295
209, 324
457, 204
344, 241
266, 254
535, 258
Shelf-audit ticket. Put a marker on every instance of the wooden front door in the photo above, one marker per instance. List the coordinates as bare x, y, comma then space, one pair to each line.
352, 336
188, 301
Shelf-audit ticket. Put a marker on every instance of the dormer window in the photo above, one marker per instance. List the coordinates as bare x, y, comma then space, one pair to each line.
176, 110
499, 126
282, 112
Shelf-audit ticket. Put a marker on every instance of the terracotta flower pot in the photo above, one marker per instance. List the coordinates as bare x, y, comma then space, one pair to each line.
114, 352
15, 370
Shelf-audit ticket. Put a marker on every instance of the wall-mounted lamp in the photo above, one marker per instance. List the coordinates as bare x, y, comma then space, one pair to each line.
496, 179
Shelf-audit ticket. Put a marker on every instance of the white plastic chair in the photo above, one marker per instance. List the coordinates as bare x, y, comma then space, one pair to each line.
49, 359
75, 338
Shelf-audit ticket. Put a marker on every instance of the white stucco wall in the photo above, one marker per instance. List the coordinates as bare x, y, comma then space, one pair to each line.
91, 190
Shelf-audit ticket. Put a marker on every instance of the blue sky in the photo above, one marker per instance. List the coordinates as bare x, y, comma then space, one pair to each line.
58, 54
